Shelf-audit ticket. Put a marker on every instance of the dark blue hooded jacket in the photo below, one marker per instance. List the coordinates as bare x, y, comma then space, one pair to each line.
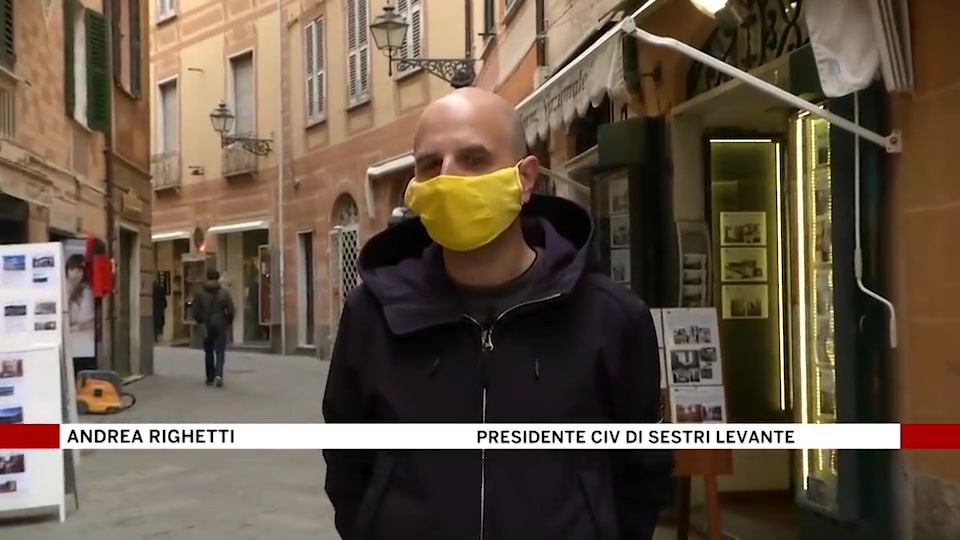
579, 348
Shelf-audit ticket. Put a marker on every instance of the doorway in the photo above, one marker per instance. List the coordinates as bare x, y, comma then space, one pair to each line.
127, 314
306, 322
14, 215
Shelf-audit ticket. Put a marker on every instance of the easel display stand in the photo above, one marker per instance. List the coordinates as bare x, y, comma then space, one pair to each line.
692, 384
35, 376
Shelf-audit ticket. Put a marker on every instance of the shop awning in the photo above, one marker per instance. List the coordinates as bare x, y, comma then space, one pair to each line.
583, 83
239, 227
169, 235
379, 170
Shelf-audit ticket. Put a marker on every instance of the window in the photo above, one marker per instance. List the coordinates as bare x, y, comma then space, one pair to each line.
168, 117
242, 93
166, 9
413, 45
509, 4
126, 44
8, 51
489, 18
316, 72
86, 78
358, 53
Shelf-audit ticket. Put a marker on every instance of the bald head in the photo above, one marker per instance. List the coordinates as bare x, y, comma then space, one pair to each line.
484, 114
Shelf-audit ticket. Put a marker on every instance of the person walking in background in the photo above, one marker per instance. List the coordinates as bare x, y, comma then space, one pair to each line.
159, 309
213, 310
490, 307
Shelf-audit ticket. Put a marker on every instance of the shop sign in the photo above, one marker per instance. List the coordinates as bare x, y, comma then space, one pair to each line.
570, 94
131, 203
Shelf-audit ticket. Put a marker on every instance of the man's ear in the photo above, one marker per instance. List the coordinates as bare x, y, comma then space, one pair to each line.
529, 168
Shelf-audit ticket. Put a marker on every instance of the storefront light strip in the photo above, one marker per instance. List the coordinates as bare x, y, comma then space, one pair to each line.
780, 292
238, 227
802, 343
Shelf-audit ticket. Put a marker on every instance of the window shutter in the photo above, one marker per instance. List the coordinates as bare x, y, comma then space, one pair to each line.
489, 17
116, 41
243, 94
321, 67
69, 78
403, 9
136, 65
416, 29
309, 44
353, 82
98, 76
8, 51
171, 117
364, 49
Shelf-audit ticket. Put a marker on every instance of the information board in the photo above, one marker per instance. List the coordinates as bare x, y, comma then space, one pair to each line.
32, 381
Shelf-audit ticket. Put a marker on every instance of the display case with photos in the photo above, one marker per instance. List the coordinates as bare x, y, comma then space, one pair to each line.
815, 279
612, 209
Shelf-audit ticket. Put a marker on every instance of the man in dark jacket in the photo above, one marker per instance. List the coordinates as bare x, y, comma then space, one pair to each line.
489, 308
213, 310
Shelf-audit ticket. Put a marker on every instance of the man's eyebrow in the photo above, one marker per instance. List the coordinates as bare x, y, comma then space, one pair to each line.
476, 148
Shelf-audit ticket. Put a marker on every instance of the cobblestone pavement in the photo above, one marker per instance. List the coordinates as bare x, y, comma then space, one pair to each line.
205, 495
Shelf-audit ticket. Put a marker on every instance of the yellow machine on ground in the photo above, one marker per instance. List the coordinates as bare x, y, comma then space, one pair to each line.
101, 392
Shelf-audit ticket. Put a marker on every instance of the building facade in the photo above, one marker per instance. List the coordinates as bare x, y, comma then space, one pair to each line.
308, 77
671, 151
74, 150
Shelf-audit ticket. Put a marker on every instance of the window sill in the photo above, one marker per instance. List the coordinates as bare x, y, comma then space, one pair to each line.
123, 88
315, 123
399, 77
8, 75
81, 125
359, 104
512, 12
166, 18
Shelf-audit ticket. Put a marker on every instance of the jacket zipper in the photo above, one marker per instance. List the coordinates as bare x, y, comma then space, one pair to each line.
486, 349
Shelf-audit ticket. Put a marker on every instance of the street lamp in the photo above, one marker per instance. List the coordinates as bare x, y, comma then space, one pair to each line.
223, 121
389, 31
728, 13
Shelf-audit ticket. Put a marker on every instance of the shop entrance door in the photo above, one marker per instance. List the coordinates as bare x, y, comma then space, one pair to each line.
126, 316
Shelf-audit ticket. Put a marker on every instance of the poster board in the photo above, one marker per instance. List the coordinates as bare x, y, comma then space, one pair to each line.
32, 373
695, 394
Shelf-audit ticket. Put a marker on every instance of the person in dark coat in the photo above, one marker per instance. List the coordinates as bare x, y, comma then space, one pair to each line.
213, 310
490, 307
159, 309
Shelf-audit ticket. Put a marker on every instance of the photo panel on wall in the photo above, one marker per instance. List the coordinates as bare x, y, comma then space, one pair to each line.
743, 228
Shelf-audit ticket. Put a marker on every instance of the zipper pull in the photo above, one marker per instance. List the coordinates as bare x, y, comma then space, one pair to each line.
486, 339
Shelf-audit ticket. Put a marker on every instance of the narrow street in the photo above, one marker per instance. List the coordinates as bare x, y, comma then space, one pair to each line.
206, 495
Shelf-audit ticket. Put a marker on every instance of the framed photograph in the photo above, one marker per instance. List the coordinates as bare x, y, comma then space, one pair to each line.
620, 265
743, 228
620, 231
743, 264
619, 195
745, 302
696, 405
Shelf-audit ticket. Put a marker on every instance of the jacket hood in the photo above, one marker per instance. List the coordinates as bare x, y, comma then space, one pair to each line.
403, 268
211, 285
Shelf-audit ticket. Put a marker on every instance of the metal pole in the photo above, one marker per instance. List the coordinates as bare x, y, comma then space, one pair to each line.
891, 143
108, 181
280, 180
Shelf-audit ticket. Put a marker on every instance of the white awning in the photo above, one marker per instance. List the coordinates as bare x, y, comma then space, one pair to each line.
584, 82
383, 168
240, 227
390, 166
169, 235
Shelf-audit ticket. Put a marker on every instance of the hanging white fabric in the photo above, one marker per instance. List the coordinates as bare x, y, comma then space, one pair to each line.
844, 44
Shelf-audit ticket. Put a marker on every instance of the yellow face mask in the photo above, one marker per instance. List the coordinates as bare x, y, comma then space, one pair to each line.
463, 213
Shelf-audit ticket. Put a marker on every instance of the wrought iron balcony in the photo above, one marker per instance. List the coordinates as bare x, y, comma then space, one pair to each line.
237, 159
165, 170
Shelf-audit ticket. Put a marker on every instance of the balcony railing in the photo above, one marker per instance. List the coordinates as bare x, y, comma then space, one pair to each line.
238, 160
165, 170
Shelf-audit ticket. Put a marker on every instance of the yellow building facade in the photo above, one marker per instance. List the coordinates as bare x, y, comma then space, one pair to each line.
62, 101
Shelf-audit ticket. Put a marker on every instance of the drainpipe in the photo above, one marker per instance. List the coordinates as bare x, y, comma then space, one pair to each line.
541, 16
280, 179
468, 28
108, 181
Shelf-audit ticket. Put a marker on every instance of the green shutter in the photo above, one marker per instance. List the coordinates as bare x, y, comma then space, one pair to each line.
135, 48
69, 83
489, 17
98, 72
8, 51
